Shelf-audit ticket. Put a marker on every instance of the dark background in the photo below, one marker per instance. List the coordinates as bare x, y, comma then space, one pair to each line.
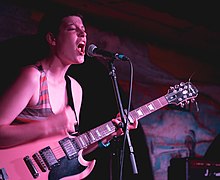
178, 37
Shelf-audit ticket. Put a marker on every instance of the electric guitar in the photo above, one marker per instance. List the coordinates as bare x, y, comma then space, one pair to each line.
59, 157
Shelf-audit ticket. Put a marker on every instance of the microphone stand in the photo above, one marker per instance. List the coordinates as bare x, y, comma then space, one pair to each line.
124, 117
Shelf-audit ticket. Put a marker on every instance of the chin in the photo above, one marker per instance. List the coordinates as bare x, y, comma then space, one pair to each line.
80, 59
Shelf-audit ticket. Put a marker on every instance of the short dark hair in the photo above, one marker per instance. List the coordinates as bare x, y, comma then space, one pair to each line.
50, 22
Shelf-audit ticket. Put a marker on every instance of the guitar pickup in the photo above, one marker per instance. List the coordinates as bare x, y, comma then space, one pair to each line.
38, 159
49, 158
31, 167
70, 147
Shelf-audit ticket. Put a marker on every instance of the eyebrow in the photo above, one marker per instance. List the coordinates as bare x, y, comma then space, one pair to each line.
71, 23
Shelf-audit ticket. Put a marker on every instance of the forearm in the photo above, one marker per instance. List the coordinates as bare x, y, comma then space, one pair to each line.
12, 135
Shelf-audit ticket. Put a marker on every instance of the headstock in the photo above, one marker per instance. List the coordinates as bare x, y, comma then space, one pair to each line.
182, 94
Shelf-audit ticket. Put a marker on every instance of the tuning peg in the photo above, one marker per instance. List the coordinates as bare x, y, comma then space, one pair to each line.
182, 84
187, 102
186, 87
192, 100
182, 104
176, 86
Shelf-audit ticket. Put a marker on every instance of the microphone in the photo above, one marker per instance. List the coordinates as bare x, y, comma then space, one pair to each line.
93, 51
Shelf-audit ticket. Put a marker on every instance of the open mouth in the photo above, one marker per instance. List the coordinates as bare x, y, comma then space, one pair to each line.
81, 48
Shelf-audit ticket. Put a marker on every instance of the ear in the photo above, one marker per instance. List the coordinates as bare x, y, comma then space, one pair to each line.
50, 39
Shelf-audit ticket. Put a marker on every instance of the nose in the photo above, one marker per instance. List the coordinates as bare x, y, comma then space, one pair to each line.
82, 33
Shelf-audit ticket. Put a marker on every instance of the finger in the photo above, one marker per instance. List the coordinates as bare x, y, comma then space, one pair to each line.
71, 130
134, 125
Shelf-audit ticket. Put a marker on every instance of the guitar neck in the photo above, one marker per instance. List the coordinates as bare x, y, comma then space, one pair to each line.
108, 128
147, 108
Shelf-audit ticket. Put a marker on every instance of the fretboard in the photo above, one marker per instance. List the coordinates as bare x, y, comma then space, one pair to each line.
147, 109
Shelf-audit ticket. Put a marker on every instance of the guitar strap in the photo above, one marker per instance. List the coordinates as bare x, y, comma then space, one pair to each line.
70, 99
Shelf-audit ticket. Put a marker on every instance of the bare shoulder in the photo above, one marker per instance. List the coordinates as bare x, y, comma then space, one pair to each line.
30, 73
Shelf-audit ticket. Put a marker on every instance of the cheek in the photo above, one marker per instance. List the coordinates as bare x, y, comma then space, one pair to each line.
67, 40
66, 46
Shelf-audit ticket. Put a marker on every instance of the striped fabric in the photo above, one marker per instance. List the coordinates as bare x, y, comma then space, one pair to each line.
43, 108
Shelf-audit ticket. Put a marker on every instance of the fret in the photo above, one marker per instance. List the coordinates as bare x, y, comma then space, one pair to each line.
91, 137
78, 142
151, 106
138, 113
95, 135
163, 101
98, 133
145, 110
160, 102
81, 141
84, 140
108, 128
104, 131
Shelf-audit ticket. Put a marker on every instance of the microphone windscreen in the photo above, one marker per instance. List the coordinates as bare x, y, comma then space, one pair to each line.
90, 50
